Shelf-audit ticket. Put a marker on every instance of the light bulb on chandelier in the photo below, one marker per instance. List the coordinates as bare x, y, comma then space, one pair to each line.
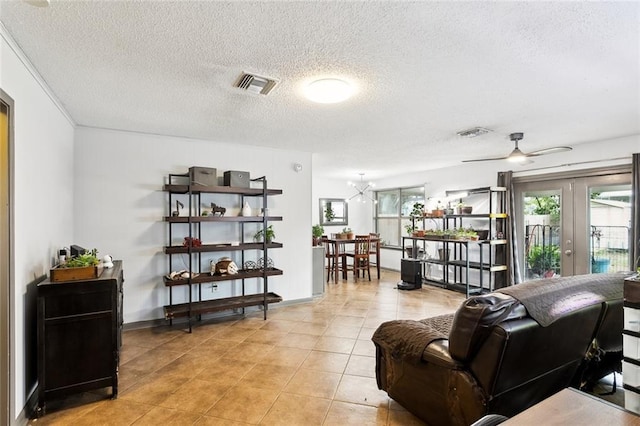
361, 187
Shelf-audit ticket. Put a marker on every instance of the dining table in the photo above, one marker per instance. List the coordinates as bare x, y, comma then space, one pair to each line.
340, 246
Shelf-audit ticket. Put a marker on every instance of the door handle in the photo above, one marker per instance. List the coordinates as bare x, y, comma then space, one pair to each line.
568, 252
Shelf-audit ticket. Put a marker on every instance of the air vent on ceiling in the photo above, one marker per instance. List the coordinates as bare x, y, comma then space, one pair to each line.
255, 83
472, 133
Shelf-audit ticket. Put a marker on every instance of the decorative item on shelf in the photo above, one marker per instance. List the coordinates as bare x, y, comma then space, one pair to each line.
217, 209
449, 209
191, 242
261, 234
205, 176
107, 261
237, 179
483, 234
316, 232
224, 266
443, 254
418, 233
181, 275
261, 265
246, 209
466, 209
410, 228
179, 206
250, 265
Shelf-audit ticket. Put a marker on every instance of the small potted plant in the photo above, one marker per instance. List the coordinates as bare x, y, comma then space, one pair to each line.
348, 233
410, 228
329, 215
317, 231
267, 235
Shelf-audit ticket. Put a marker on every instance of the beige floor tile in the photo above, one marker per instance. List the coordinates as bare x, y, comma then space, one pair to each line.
270, 337
195, 396
364, 348
187, 366
118, 412
226, 371
129, 352
213, 347
314, 383
153, 389
404, 418
150, 337
166, 416
364, 366
366, 333
217, 421
344, 413
335, 344
152, 360
287, 357
245, 404
297, 340
266, 376
330, 362
290, 409
248, 351
280, 324
353, 312
235, 334
316, 329
338, 330
348, 320
361, 390
291, 315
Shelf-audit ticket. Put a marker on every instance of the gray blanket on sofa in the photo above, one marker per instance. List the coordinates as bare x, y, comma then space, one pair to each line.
407, 339
547, 300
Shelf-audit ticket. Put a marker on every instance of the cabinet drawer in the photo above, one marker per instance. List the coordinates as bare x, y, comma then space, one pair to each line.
631, 346
632, 319
77, 304
631, 374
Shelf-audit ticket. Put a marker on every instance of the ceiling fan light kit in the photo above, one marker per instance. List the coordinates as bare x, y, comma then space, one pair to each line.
517, 156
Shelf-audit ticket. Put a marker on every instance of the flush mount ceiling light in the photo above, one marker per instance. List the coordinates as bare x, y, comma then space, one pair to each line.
361, 187
472, 133
328, 91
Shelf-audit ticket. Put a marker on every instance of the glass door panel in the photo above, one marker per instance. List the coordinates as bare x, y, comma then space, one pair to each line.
542, 233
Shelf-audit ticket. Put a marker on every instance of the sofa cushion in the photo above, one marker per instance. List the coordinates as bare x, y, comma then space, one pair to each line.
474, 319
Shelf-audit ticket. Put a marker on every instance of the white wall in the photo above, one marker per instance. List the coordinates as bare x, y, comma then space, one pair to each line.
120, 206
360, 214
43, 203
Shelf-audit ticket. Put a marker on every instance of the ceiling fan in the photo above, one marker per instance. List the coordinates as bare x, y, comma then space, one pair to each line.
518, 156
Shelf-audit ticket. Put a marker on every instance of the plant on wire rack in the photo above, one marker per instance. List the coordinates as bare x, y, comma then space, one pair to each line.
267, 234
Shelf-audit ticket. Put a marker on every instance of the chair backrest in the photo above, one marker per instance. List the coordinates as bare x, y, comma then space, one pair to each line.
374, 241
362, 243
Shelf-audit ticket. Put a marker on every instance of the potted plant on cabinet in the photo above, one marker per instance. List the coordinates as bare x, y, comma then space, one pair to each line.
317, 231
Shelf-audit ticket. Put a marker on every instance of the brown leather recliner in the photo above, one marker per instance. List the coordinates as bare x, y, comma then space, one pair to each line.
505, 351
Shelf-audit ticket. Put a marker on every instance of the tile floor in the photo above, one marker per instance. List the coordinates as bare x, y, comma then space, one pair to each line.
310, 364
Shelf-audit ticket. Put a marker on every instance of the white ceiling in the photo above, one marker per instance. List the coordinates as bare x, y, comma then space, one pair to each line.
563, 73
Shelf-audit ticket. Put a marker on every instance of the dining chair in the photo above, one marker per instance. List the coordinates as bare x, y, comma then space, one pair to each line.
334, 265
361, 256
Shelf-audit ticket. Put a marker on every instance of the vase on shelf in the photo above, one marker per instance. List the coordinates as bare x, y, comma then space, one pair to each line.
246, 209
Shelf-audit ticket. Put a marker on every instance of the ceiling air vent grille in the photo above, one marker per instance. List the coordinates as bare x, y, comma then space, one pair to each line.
472, 133
255, 83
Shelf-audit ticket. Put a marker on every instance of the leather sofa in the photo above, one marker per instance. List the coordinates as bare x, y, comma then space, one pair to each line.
502, 352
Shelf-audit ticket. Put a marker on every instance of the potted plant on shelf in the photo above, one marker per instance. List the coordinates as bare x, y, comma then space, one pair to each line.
267, 234
316, 231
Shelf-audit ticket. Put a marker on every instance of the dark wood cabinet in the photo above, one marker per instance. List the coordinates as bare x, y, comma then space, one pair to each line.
79, 335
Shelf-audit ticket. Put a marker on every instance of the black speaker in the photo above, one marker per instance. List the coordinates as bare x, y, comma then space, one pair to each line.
411, 274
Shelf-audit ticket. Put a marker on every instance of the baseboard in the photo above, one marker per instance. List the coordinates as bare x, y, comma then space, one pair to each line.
214, 316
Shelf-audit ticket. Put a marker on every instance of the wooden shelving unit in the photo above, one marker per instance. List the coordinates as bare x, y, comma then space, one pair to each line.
199, 262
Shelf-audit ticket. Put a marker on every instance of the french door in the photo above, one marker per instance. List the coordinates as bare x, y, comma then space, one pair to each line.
574, 225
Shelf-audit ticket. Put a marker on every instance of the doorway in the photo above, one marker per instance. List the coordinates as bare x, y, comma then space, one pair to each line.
6, 241
574, 225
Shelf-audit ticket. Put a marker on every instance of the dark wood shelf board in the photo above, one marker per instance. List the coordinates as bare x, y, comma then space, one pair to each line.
198, 189
477, 265
196, 219
462, 288
214, 305
205, 248
478, 215
208, 278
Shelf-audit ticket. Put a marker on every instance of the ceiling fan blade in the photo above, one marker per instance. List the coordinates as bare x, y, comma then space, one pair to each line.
484, 159
549, 151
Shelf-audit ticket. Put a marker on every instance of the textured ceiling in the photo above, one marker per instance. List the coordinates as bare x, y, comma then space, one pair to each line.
561, 72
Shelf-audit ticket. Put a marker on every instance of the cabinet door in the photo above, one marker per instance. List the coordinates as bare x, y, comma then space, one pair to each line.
77, 350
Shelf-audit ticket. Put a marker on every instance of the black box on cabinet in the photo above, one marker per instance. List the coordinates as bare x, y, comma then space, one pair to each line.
236, 178
206, 176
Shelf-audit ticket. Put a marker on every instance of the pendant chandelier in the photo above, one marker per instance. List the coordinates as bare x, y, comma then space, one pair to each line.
361, 188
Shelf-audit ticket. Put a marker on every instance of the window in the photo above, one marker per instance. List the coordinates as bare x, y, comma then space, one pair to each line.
392, 212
